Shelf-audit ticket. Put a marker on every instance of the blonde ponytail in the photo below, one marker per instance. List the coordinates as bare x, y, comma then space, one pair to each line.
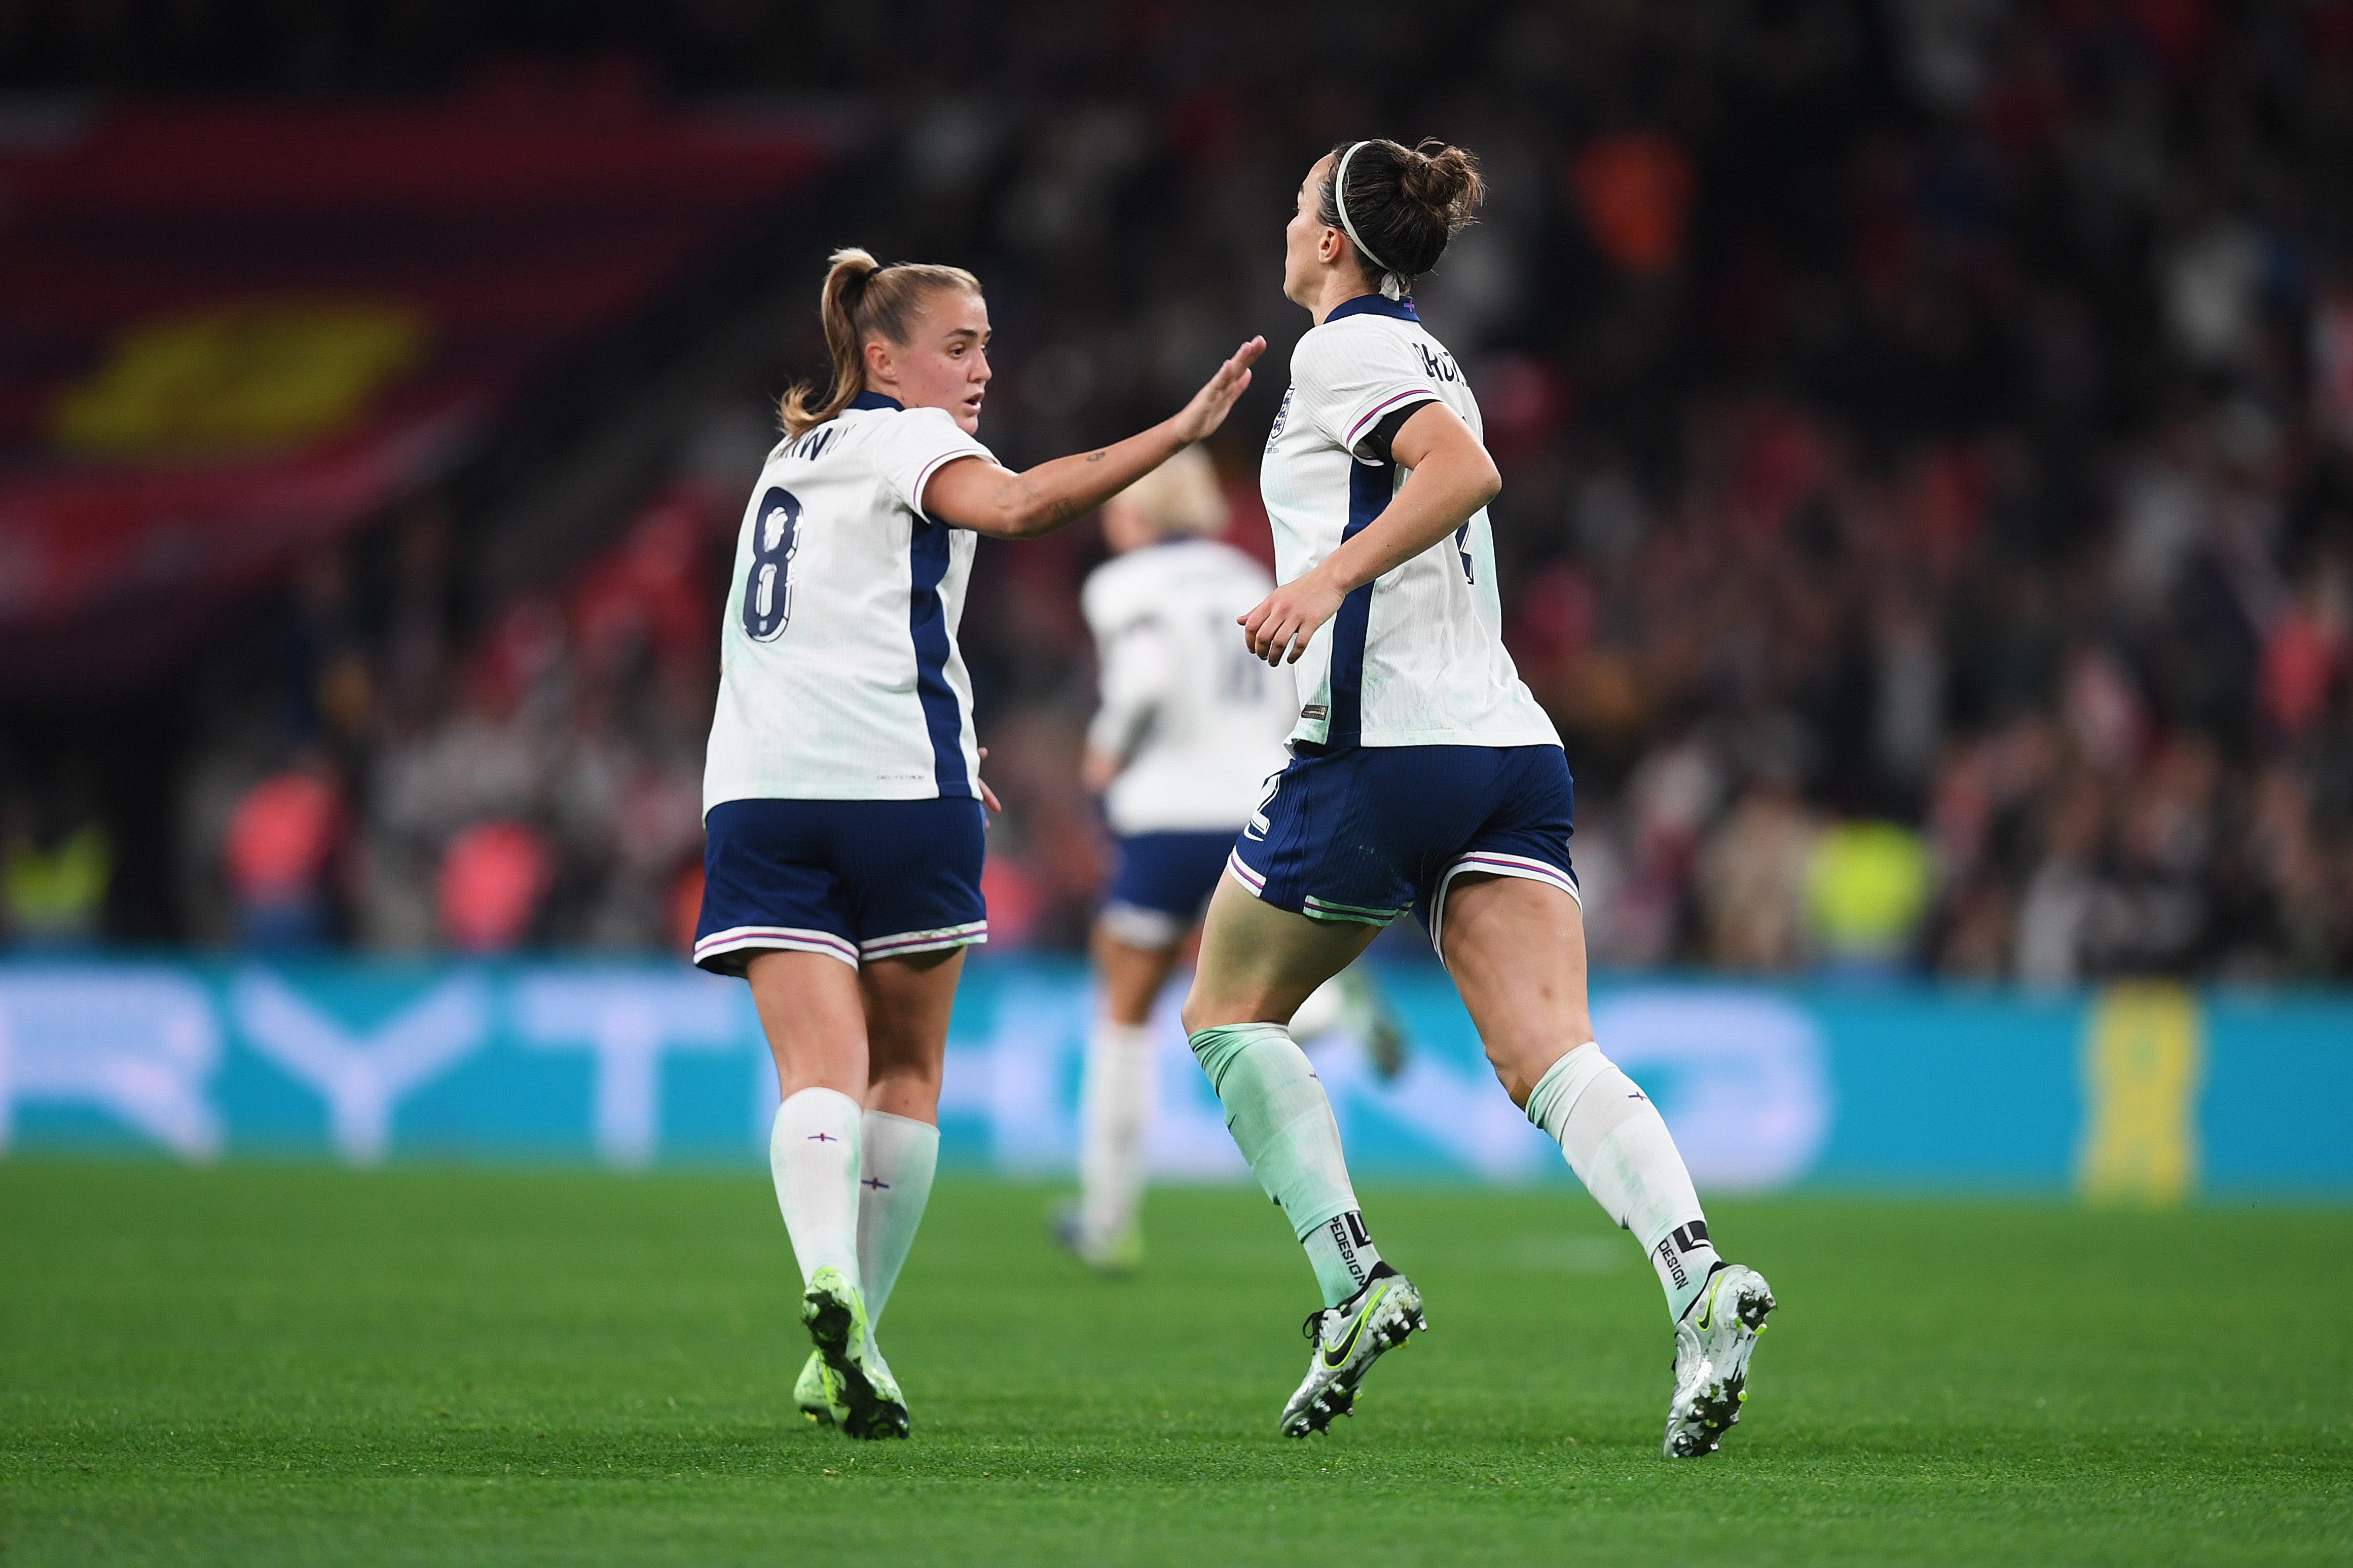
863, 299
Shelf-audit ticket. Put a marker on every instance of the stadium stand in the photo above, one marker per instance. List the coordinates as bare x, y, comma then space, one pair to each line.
1928, 435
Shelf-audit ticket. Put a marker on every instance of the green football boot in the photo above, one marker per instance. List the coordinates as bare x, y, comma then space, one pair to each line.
836, 1316
819, 1392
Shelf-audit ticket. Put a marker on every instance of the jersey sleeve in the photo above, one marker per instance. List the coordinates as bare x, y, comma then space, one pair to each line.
1347, 382
913, 446
1133, 661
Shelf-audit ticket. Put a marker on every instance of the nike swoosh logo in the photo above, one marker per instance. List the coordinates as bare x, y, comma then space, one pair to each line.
1707, 1308
1336, 1356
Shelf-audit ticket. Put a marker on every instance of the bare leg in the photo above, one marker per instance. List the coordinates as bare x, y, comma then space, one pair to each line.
1131, 976
907, 1003
1259, 964
814, 1018
1516, 951
856, 1139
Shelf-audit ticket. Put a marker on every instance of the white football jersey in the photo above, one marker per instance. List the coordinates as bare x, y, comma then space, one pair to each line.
1199, 722
1416, 656
840, 678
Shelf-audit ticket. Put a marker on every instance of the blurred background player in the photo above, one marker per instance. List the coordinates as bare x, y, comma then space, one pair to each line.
1190, 729
842, 795
1424, 778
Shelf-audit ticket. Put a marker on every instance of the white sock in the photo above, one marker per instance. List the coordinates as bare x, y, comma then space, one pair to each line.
897, 1156
1276, 1111
1115, 1123
813, 1155
1342, 1253
1621, 1151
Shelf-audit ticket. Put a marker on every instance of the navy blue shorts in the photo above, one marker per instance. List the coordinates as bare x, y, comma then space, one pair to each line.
853, 878
1163, 883
1367, 833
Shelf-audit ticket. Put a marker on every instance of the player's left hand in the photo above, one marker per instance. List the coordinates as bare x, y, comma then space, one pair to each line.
1279, 629
988, 796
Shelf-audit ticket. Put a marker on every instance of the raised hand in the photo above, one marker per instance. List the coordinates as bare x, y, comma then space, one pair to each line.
1210, 406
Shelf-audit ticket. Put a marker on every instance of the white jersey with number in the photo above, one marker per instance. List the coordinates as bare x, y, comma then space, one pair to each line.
1415, 658
840, 678
1198, 721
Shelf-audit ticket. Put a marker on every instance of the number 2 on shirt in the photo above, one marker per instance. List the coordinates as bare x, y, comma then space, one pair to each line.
768, 588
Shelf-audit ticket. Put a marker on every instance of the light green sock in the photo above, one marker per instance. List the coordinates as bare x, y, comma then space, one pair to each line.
1276, 1111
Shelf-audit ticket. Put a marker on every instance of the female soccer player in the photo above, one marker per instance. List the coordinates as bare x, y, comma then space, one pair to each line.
1190, 727
842, 800
1424, 777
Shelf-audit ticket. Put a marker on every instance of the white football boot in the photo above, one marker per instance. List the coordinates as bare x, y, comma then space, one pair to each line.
836, 1316
1713, 1343
1348, 1339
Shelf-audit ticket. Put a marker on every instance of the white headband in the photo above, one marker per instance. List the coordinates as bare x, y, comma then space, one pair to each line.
1392, 286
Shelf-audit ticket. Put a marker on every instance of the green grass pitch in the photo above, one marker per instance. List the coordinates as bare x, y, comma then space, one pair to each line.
264, 1365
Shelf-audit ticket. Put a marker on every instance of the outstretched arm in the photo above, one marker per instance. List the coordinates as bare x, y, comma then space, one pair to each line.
1452, 478
981, 496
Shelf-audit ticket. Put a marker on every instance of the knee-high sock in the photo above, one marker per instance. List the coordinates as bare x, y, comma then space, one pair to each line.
1621, 1151
897, 1157
1114, 1124
1276, 1111
813, 1155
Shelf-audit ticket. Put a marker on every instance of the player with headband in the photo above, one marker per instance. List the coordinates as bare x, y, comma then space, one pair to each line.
1424, 778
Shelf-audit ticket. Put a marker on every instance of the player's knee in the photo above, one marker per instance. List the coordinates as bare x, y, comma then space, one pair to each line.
1516, 1084
912, 1073
1207, 1009
1519, 1069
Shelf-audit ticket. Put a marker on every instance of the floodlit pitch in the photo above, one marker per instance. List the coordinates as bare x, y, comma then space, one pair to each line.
258, 1365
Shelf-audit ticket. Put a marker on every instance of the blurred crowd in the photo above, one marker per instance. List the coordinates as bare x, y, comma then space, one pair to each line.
1927, 438
397, 775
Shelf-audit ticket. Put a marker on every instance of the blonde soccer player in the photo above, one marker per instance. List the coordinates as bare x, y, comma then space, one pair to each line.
1189, 728
1424, 778
842, 798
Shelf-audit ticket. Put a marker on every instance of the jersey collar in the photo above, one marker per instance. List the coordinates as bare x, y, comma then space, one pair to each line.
876, 400
1374, 305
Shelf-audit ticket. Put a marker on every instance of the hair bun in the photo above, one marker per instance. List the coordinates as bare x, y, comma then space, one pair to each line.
1403, 203
1444, 184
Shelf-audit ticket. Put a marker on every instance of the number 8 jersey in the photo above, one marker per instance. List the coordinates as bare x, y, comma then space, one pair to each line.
840, 678
1416, 656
